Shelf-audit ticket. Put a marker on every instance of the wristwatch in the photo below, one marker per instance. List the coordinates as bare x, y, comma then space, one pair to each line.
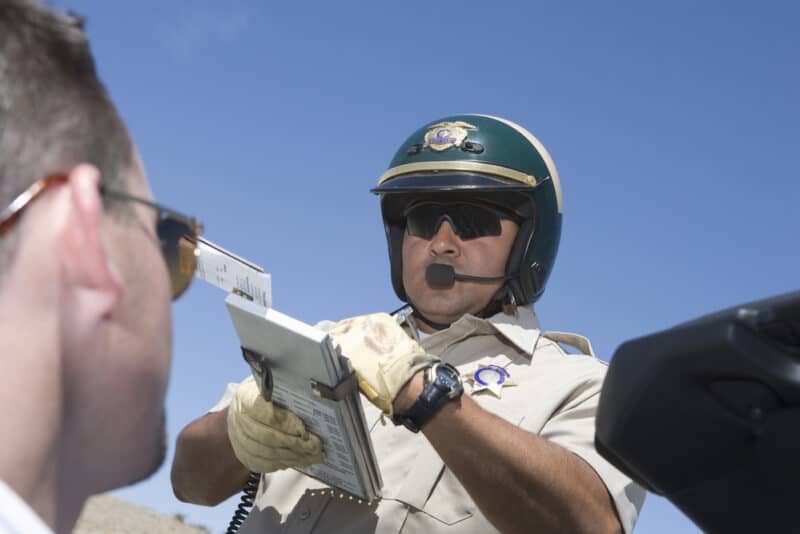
442, 383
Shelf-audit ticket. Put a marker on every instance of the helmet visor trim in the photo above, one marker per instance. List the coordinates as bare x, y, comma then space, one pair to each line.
463, 166
446, 181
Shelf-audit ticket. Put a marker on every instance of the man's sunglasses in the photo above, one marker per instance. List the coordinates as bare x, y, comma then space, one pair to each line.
176, 232
469, 220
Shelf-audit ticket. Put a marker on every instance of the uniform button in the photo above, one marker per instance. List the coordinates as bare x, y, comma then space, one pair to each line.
304, 514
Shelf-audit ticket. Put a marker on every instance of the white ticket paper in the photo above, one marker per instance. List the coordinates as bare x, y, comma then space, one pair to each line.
233, 274
323, 420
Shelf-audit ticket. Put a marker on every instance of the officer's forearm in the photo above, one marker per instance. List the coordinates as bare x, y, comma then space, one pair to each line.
520, 481
205, 470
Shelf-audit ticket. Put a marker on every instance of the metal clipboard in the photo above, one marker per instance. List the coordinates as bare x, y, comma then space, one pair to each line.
300, 370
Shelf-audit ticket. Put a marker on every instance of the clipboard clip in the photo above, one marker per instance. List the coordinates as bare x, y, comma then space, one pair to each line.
263, 377
261, 372
346, 386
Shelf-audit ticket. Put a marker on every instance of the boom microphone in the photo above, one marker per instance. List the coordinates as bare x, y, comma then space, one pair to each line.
442, 276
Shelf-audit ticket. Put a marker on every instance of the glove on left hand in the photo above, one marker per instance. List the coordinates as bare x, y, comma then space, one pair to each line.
265, 437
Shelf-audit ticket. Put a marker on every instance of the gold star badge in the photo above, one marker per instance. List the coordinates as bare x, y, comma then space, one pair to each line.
490, 377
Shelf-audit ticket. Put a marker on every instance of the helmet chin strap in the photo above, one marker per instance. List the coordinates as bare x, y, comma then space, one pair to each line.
433, 324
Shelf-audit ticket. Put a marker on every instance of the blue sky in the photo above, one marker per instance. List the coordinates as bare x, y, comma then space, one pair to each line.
673, 126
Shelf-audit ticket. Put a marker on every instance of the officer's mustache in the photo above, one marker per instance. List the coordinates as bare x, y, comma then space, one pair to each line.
443, 276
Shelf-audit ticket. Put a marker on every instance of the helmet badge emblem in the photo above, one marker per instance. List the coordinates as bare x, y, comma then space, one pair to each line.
446, 135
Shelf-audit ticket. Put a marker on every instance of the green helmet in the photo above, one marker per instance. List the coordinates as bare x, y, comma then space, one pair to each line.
484, 158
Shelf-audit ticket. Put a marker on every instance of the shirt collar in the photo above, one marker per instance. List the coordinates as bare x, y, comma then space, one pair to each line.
521, 329
16, 516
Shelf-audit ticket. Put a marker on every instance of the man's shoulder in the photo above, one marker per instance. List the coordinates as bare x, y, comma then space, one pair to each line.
566, 359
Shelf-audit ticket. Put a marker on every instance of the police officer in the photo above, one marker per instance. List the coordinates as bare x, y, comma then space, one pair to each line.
494, 421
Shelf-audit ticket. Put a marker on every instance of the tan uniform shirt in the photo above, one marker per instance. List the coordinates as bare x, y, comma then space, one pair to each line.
555, 396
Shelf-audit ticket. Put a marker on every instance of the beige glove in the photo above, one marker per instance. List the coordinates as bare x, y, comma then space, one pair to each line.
384, 357
267, 438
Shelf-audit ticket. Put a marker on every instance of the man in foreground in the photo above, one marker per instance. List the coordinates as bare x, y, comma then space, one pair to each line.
85, 324
472, 210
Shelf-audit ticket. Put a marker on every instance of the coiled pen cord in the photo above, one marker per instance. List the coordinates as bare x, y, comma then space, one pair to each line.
248, 499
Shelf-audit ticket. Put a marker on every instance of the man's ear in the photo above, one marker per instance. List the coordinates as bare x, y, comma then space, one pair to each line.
87, 262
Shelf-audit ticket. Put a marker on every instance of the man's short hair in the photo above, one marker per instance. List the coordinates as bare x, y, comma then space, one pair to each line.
54, 112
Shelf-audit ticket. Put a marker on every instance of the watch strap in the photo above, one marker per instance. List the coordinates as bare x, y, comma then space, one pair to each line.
432, 398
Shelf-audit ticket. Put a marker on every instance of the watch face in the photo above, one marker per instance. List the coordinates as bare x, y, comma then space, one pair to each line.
448, 377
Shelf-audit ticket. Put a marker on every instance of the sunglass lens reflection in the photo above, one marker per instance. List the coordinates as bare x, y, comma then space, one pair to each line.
468, 221
178, 245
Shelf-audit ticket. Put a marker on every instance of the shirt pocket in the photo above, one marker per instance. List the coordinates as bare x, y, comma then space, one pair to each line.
433, 495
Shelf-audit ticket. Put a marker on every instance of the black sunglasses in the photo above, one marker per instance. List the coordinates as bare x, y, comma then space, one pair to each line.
176, 232
469, 220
